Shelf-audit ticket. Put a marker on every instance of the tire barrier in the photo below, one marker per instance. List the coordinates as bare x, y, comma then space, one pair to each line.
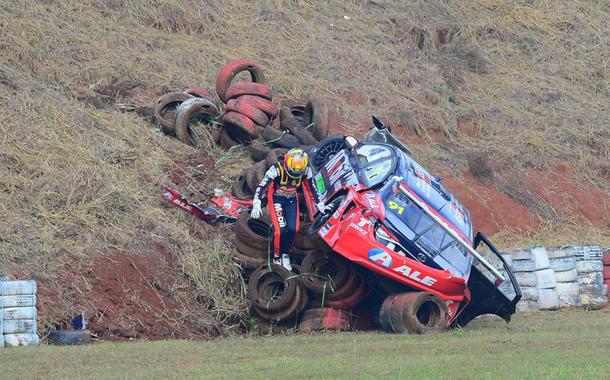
276, 293
18, 313
325, 319
69, 337
576, 277
196, 108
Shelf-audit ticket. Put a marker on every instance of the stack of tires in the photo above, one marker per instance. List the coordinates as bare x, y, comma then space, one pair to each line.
248, 108
18, 307
414, 312
253, 239
606, 262
176, 111
563, 262
593, 293
535, 277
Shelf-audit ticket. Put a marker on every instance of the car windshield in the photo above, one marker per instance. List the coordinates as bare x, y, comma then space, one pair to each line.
426, 234
376, 162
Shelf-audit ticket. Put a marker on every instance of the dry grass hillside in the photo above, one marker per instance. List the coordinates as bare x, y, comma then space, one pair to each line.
508, 100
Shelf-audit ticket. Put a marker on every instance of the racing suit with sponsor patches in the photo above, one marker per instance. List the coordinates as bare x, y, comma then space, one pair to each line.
283, 204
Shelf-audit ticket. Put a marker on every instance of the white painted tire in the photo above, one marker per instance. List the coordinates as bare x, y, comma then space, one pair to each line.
560, 252
19, 326
592, 301
527, 306
508, 258
570, 301
524, 266
587, 266
11, 288
19, 313
587, 252
563, 264
540, 257
526, 278
19, 340
593, 278
594, 290
567, 289
529, 294
545, 279
567, 276
521, 254
548, 299
17, 301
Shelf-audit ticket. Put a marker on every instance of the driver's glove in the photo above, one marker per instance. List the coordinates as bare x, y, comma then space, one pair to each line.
256, 209
323, 208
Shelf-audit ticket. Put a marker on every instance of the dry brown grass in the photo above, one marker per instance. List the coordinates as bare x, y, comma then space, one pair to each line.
78, 176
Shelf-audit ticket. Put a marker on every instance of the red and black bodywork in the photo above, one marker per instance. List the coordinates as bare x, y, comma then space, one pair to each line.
405, 230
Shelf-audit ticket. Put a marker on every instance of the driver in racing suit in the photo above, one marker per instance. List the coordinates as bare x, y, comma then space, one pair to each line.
281, 182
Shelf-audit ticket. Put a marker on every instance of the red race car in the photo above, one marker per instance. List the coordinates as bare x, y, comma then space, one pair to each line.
405, 231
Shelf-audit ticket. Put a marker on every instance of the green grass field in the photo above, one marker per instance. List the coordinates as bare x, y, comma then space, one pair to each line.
546, 345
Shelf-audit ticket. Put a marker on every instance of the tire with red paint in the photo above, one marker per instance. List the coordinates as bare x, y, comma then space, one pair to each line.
246, 108
240, 126
249, 88
231, 69
606, 258
199, 92
166, 104
262, 104
607, 272
272, 287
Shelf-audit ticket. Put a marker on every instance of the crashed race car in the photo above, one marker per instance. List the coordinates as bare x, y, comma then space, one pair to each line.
410, 238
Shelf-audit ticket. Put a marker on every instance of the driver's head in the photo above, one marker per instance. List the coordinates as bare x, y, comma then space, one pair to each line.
295, 162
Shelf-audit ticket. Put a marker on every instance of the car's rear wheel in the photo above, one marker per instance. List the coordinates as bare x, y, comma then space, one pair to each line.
326, 149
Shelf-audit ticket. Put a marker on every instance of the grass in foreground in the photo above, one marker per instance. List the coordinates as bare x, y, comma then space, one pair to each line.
549, 345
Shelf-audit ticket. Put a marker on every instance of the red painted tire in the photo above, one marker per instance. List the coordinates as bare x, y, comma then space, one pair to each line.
607, 272
352, 300
262, 104
240, 125
246, 108
199, 92
606, 258
607, 282
249, 88
231, 69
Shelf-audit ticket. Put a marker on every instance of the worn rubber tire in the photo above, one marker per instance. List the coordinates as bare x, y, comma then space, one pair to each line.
351, 285
289, 123
248, 262
18, 313
69, 337
19, 326
321, 313
18, 287
240, 188
247, 250
259, 151
279, 139
336, 268
384, 313
411, 305
562, 264
258, 287
606, 258
21, 340
251, 178
246, 108
199, 92
285, 314
304, 242
231, 69
163, 104
249, 88
187, 111
252, 231
240, 126
359, 295
19, 300
606, 273
274, 156
262, 104
227, 141
567, 275
322, 114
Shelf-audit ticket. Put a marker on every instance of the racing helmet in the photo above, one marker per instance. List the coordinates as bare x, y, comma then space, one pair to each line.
295, 162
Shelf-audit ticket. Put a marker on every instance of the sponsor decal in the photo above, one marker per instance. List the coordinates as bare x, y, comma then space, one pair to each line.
415, 275
279, 213
320, 187
359, 227
380, 257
